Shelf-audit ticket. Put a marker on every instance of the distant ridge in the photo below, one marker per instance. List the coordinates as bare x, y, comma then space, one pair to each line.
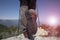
8, 22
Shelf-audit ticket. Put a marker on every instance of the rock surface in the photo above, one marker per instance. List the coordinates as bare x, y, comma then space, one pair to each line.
37, 36
21, 37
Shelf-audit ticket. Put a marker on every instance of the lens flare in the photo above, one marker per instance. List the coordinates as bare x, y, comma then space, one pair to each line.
52, 20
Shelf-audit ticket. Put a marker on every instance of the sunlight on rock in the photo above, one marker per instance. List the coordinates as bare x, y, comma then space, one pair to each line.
41, 32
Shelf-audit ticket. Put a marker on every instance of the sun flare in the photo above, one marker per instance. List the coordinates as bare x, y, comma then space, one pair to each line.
52, 20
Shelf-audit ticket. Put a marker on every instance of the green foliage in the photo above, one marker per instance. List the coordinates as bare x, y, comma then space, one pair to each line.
13, 28
3, 28
1, 37
6, 31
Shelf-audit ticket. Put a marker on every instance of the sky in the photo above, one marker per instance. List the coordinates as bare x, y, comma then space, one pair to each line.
48, 8
9, 9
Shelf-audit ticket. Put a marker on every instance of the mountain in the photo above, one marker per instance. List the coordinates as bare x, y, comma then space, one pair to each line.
9, 22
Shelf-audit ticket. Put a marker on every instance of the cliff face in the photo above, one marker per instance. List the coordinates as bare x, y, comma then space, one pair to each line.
27, 20
23, 2
30, 3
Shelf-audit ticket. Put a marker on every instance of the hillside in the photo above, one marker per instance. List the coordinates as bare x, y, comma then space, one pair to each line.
9, 22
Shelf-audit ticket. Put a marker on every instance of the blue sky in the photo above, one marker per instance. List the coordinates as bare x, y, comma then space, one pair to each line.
9, 9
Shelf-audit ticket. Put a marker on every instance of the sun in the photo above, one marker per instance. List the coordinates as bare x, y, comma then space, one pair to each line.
52, 20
